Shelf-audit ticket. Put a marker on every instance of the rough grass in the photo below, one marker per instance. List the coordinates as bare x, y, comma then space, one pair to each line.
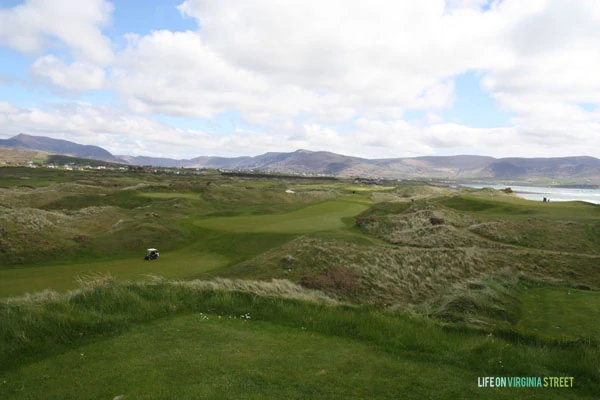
484, 301
430, 246
378, 274
508, 207
408, 193
568, 236
29, 196
431, 251
250, 193
16, 156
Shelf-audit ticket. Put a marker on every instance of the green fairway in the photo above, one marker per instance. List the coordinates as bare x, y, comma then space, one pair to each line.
561, 311
182, 264
171, 195
319, 217
207, 251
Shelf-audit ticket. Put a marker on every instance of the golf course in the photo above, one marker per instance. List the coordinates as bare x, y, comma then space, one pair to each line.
271, 287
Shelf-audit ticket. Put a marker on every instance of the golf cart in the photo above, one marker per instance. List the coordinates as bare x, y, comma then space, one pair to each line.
151, 255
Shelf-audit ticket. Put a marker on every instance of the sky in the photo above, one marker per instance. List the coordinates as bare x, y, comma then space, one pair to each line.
375, 79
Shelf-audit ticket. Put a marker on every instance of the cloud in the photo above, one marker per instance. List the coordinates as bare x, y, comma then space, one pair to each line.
324, 61
125, 133
77, 76
176, 73
39, 25
470, 4
554, 57
297, 71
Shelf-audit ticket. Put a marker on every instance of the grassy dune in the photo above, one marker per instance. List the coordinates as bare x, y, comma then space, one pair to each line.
218, 343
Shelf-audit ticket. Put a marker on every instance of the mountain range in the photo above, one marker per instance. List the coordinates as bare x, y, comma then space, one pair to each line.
580, 168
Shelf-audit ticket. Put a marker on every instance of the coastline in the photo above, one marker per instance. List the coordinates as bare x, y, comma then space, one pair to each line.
554, 193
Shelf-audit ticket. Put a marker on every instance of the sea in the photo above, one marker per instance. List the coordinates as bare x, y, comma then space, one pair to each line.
552, 193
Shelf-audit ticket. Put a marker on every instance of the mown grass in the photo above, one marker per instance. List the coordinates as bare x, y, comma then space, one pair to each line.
203, 252
561, 311
319, 217
217, 358
102, 323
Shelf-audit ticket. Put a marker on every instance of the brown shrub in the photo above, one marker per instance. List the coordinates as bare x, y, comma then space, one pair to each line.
360, 221
437, 221
337, 279
82, 239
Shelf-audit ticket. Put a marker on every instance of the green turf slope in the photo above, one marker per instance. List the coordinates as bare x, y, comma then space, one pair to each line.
318, 217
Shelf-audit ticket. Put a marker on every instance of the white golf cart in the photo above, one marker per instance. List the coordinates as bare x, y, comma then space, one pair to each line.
151, 255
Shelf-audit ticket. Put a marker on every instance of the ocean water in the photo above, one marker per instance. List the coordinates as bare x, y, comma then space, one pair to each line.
554, 194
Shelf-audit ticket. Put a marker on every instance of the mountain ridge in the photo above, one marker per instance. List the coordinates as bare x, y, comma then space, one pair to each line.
58, 146
328, 163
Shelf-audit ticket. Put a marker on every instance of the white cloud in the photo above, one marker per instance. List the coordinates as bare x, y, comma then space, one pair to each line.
297, 69
452, 5
555, 63
123, 133
36, 25
77, 76
176, 73
325, 61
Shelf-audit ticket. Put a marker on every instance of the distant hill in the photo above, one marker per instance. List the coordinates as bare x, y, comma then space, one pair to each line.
57, 146
457, 167
11, 156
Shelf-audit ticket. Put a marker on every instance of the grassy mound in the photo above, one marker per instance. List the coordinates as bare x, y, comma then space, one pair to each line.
243, 342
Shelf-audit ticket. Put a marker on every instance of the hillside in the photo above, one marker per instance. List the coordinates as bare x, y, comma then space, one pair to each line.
570, 170
57, 146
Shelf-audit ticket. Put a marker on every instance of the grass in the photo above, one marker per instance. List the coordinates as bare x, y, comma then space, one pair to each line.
183, 264
352, 291
15, 156
324, 216
216, 358
543, 234
336, 351
508, 207
204, 253
171, 195
561, 311
485, 301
